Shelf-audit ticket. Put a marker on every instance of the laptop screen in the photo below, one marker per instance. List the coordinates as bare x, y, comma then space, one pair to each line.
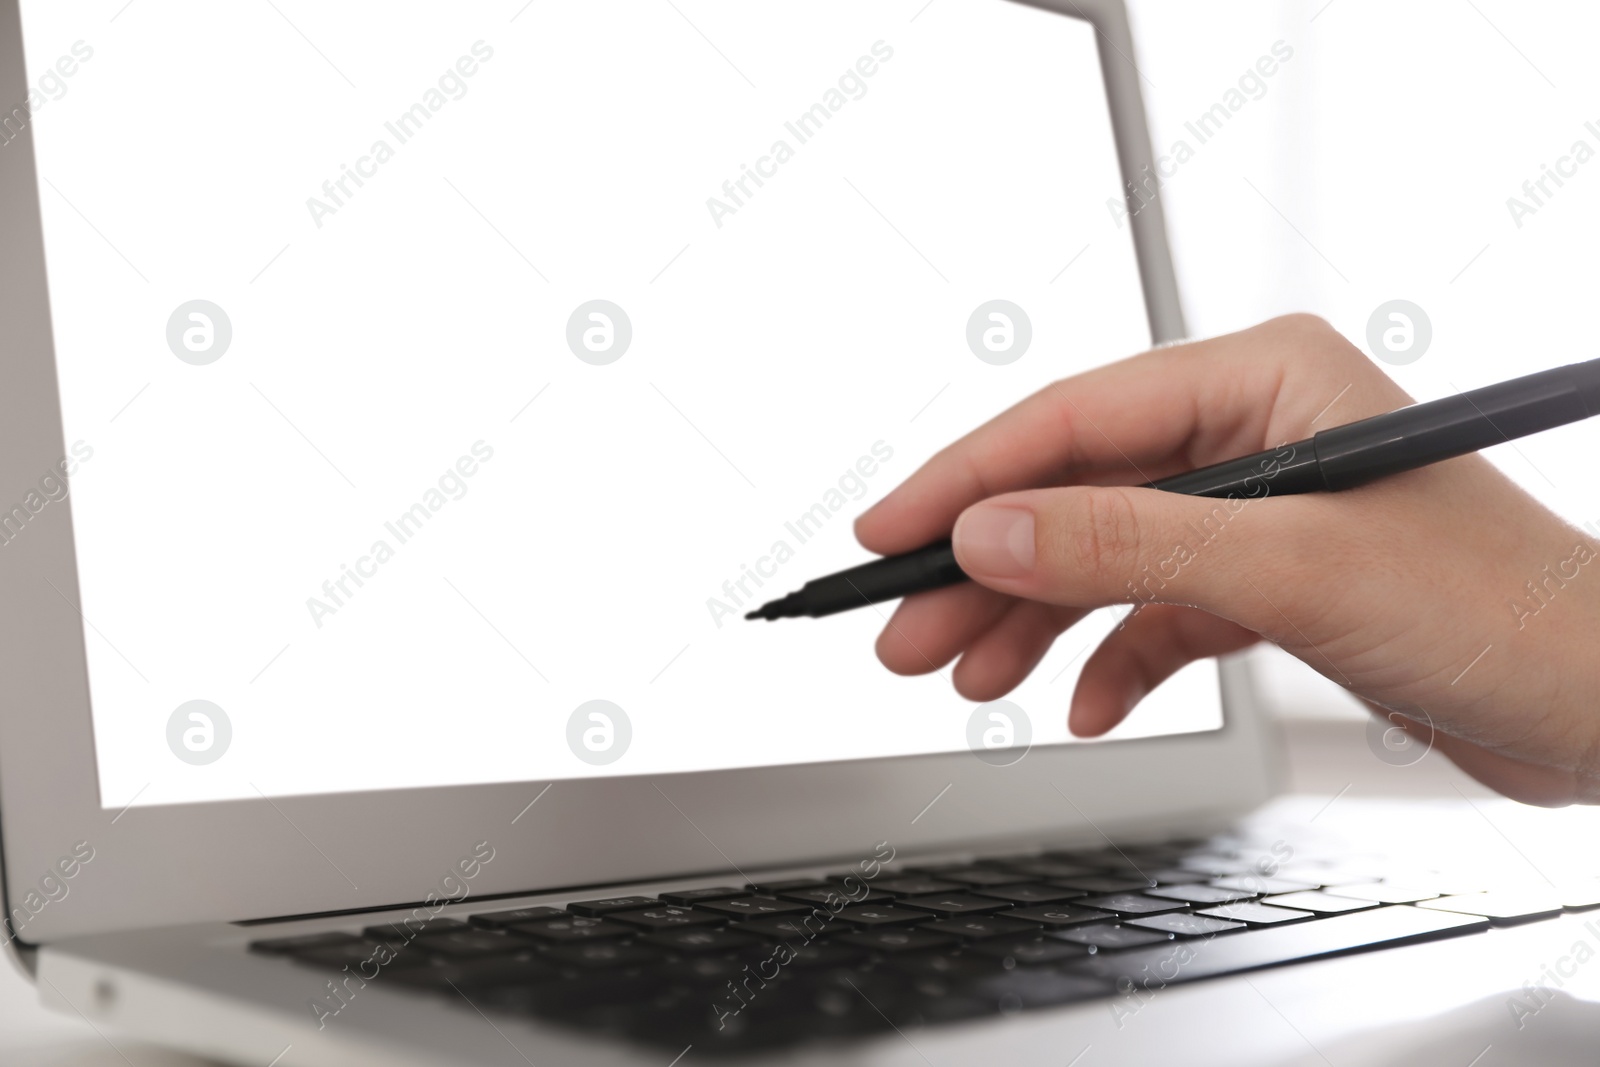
442, 383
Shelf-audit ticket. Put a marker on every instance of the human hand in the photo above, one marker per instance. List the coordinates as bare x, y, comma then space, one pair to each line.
1403, 591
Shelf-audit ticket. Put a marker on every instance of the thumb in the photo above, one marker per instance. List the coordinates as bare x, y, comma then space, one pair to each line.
1088, 546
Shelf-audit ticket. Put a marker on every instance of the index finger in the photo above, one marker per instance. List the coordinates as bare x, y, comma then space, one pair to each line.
1129, 422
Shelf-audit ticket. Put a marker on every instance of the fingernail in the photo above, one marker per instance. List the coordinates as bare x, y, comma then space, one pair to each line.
995, 541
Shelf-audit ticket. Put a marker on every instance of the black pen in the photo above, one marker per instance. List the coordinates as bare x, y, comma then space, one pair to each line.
1334, 459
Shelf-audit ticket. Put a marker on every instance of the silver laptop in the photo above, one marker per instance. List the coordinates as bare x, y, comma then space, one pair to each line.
402, 406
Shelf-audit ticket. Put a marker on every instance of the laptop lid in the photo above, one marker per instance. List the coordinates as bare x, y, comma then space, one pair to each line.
405, 409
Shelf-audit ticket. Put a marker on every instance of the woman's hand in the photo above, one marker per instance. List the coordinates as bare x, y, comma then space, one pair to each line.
1413, 592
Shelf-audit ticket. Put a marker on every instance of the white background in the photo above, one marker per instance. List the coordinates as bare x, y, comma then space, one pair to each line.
429, 313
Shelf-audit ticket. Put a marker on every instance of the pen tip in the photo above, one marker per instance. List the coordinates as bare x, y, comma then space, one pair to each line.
782, 608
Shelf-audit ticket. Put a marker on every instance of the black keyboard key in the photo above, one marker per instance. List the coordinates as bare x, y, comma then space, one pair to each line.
1252, 949
1198, 894
685, 897
1059, 916
605, 954
597, 996
822, 1004
884, 915
1028, 951
361, 956
1503, 908
947, 904
696, 940
942, 965
975, 927
1028, 893
602, 907
1255, 914
700, 970
664, 917
499, 920
800, 928
971, 876
831, 955
1260, 884
461, 944
1110, 938
402, 931
752, 907
915, 885
835, 896
289, 946
1039, 868
772, 889
1129, 904
897, 939
1181, 925
1036, 987
573, 928
1317, 901
498, 973
1105, 883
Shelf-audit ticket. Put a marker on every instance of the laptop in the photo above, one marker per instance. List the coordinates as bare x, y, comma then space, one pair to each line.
402, 406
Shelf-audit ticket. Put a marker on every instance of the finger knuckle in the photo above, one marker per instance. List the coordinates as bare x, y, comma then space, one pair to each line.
1303, 334
1304, 324
1306, 337
1311, 345
1105, 538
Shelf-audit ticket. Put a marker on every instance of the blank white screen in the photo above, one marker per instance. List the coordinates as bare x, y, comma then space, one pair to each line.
373, 345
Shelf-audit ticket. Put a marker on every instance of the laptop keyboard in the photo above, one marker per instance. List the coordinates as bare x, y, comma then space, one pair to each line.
844, 956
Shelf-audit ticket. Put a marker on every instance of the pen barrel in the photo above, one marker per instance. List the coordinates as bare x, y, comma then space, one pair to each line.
883, 579
1416, 436
1281, 471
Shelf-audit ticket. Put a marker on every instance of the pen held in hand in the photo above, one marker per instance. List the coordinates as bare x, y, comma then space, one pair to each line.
1339, 458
